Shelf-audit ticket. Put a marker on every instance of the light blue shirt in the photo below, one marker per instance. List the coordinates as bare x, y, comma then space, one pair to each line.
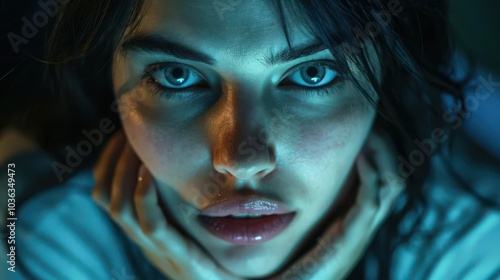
63, 234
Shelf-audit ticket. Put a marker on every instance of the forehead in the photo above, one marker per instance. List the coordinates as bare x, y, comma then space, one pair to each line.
229, 26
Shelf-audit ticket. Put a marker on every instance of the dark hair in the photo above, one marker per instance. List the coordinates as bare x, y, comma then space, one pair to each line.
412, 42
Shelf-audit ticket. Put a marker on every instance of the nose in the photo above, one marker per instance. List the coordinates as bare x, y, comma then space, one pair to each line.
254, 164
243, 147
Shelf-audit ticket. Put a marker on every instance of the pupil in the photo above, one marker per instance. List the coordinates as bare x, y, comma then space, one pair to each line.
312, 72
177, 73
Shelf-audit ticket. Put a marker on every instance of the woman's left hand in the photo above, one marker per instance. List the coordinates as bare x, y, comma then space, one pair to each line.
346, 240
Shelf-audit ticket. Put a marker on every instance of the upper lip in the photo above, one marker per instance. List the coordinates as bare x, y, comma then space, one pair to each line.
245, 205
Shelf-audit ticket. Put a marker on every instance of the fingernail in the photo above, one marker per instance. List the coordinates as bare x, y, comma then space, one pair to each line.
142, 173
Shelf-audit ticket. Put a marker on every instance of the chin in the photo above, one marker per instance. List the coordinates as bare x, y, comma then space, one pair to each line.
252, 265
250, 271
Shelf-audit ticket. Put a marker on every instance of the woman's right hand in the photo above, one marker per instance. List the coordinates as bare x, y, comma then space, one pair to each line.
126, 190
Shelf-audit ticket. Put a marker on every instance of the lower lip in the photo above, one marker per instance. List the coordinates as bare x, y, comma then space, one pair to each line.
246, 230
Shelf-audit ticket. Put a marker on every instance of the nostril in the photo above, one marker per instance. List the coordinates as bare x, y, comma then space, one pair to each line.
228, 162
261, 174
265, 172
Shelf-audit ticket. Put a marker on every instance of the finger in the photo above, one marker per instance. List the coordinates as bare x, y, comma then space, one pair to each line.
104, 169
391, 184
367, 200
369, 178
123, 185
384, 155
150, 217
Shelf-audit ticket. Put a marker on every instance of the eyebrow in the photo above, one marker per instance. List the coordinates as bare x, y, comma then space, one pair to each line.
152, 43
294, 53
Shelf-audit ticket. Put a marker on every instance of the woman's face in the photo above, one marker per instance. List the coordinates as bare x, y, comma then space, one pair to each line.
220, 108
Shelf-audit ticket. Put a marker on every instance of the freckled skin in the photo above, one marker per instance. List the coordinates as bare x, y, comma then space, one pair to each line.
306, 159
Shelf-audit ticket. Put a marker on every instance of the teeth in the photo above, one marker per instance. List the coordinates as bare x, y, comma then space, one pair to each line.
246, 216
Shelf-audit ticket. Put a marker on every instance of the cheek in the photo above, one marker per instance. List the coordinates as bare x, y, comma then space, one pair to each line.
337, 136
160, 144
153, 145
327, 148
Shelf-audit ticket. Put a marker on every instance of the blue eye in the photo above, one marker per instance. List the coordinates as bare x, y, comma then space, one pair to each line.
174, 76
312, 75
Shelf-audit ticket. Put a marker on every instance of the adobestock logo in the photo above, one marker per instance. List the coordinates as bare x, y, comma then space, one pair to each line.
455, 116
84, 148
39, 19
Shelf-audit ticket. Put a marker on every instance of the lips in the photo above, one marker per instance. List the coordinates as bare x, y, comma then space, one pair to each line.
244, 220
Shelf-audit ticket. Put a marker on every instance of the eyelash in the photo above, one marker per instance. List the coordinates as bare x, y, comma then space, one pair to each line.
163, 92
169, 93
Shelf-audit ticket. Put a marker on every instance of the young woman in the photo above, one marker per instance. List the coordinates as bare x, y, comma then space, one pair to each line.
261, 139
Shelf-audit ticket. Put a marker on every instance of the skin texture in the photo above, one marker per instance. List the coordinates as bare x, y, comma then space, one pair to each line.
127, 191
205, 147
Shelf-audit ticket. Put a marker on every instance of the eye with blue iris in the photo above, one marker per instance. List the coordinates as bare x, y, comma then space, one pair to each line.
311, 75
176, 76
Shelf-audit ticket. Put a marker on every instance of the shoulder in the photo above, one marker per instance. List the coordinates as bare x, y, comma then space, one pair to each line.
456, 237
63, 234
476, 254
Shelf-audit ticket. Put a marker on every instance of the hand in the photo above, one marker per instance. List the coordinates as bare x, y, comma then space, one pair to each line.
346, 240
126, 189
13, 142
